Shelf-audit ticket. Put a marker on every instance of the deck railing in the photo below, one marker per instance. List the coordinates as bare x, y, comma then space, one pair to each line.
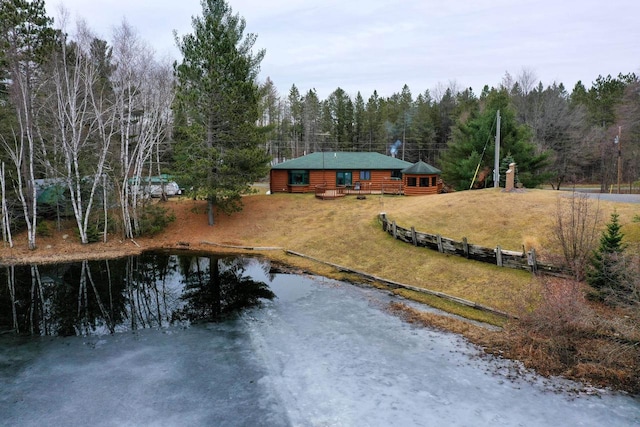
324, 191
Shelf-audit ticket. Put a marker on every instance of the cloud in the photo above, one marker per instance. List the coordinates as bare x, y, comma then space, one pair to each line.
382, 44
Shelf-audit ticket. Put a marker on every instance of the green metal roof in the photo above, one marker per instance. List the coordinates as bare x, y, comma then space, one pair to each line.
421, 168
344, 160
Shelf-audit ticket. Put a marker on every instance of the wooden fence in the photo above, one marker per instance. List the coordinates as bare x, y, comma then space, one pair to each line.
497, 256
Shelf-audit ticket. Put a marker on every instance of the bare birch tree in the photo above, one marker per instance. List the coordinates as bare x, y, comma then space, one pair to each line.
143, 97
82, 122
15, 149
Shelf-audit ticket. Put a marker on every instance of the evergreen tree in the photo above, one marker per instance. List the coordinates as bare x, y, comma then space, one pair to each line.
374, 117
472, 143
311, 116
295, 111
605, 273
359, 135
339, 109
423, 129
218, 94
444, 117
603, 97
26, 41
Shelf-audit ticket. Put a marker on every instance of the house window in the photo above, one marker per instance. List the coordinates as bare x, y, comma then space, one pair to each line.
411, 181
365, 175
433, 181
396, 174
424, 181
298, 177
343, 178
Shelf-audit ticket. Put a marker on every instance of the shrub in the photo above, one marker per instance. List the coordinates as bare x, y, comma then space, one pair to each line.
567, 335
43, 229
154, 218
576, 231
94, 233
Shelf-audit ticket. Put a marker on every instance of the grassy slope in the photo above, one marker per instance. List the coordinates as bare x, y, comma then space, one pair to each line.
346, 232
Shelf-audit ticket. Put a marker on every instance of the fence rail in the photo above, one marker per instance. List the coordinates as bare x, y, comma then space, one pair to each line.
497, 256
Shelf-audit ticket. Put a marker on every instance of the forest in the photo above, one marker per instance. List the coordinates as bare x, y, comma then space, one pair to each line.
556, 136
88, 120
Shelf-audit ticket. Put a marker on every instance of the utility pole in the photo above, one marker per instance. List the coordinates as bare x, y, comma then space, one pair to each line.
619, 144
496, 161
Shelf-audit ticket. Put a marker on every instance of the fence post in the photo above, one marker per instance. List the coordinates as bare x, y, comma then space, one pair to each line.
465, 247
499, 256
395, 230
414, 236
440, 248
383, 216
531, 260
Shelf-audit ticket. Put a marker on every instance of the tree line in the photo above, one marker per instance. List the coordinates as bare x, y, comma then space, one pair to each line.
556, 136
92, 118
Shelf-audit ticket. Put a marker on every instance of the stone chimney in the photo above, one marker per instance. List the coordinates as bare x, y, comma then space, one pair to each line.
511, 177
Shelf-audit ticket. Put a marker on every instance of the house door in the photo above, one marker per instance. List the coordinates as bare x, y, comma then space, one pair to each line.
343, 178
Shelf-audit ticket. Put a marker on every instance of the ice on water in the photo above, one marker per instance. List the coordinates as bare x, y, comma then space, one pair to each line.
322, 353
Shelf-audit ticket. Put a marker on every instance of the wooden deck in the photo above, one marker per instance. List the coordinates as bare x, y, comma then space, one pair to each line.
361, 190
325, 192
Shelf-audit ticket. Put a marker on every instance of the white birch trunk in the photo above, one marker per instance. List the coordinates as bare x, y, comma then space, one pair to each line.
6, 224
85, 124
15, 152
144, 88
25, 121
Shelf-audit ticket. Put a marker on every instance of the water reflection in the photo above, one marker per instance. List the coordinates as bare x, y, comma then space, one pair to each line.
146, 291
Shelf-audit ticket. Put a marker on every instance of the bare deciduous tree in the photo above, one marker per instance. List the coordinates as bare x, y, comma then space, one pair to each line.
576, 230
143, 97
80, 123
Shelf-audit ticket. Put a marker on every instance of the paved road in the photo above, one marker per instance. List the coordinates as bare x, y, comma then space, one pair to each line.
622, 198
595, 193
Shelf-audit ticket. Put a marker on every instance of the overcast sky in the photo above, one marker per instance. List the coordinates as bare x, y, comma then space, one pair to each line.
367, 45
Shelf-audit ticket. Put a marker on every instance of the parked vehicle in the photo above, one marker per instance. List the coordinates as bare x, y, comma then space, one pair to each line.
152, 186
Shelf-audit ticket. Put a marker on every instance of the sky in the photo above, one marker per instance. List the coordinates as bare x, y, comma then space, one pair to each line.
367, 45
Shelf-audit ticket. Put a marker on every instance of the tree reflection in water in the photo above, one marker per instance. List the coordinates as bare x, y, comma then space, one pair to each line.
146, 291
218, 288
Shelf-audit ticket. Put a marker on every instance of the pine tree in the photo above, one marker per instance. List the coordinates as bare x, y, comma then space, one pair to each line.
218, 97
26, 40
605, 274
472, 142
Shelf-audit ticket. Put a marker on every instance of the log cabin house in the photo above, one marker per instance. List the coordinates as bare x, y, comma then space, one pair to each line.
340, 173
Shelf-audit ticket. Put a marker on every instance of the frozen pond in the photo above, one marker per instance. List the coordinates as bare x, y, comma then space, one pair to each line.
322, 353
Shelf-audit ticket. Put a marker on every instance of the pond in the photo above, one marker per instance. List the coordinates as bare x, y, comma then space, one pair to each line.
158, 340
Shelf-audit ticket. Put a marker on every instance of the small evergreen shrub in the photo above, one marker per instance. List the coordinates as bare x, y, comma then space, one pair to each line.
604, 274
154, 218
43, 229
